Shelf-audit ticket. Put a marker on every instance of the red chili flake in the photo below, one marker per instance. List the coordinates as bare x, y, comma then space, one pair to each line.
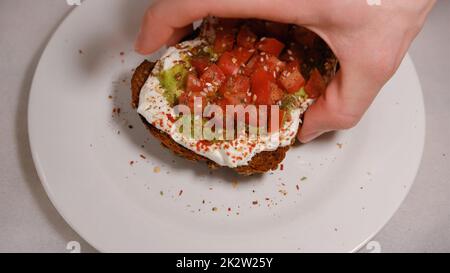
255, 202
122, 53
170, 117
229, 209
203, 145
180, 193
281, 167
297, 187
131, 163
142, 156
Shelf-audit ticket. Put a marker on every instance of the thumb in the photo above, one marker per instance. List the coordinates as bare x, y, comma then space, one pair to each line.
344, 102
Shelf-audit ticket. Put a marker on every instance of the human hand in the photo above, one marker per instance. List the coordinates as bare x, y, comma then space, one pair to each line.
369, 41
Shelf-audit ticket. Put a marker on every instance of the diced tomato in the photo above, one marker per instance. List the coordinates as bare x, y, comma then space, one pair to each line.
246, 38
236, 84
291, 79
243, 54
267, 62
224, 41
193, 84
293, 53
274, 64
188, 99
271, 46
213, 78
262, 85
316, 85
254, 63
235, 89
200, 64
276, 93
229, 64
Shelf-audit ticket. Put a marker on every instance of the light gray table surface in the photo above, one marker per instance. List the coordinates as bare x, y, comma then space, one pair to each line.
30, 223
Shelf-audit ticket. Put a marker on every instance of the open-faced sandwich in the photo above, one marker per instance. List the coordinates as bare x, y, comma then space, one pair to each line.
231, 76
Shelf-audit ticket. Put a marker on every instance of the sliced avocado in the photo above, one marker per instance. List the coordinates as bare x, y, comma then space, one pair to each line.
290, 102
173, 81
301, 93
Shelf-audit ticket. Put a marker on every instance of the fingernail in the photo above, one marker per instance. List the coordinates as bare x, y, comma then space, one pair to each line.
309, 137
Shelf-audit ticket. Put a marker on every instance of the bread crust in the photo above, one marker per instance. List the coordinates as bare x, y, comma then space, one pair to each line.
260, 163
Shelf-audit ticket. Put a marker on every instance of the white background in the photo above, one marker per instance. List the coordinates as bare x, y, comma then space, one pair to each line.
29, 222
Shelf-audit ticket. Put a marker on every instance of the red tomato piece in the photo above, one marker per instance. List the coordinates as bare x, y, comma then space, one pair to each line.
200, 64
229, 64
254, 63
262, 85
276, 93
273, 64
294, 53
291, 79
246, 38
235, 89
243, 54
213, 77
271, 46
224, 41
193, 84
316, 85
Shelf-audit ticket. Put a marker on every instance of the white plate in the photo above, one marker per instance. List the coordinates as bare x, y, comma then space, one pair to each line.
349, 193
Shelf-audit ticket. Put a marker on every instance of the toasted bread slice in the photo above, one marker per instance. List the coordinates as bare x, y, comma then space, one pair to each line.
260, 163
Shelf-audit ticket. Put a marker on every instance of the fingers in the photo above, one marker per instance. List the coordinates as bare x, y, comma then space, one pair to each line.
179, 34
345, 101
164, 18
